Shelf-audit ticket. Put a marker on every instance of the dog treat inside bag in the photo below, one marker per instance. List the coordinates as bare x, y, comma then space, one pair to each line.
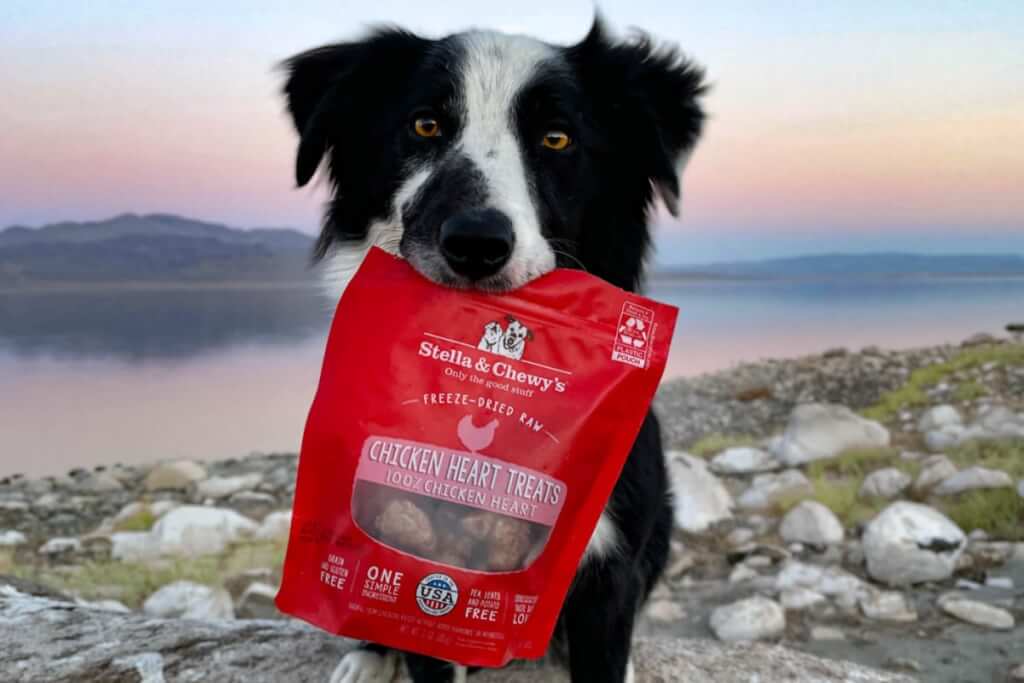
458, 455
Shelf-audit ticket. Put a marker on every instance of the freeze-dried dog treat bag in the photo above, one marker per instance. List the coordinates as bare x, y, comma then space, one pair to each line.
458, 454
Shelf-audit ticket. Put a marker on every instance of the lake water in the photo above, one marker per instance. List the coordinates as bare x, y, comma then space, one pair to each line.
105, 376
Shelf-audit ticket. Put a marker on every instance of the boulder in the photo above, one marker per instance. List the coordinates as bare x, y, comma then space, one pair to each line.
768, 489
885, 483
222, 487
820, 430
174, 475
700, 498
189, 600
887, 606
755, 618
743, 460
257, 602
811, 523
909, 543
971, 479
275, 526
42, 640
977, 613
938, 417
798, 598
938, 440
934, 471
196, 530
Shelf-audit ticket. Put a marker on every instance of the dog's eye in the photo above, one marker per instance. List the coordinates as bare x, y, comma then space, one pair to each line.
556, 140
427, 127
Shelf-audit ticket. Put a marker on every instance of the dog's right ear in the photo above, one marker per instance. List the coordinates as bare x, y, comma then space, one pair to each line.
327, 85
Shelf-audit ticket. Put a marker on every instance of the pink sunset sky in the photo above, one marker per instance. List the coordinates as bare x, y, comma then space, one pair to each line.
833, 126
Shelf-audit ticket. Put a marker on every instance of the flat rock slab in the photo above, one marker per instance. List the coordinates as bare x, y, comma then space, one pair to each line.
58, 642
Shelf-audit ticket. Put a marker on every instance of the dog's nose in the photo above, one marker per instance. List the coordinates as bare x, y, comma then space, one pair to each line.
477, 243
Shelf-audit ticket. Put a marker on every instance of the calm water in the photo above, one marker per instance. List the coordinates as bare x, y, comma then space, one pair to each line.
129, 376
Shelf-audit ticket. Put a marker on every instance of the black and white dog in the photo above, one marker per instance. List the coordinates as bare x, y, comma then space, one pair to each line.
487, 160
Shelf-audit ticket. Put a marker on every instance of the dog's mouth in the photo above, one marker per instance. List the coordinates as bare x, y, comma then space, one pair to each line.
432, 265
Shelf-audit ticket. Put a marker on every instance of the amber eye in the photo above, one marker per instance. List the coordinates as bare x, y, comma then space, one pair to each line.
556, 140
427, 127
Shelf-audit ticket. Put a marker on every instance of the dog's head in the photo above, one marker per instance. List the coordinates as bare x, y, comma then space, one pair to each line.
487, 159
493, 331
516, 334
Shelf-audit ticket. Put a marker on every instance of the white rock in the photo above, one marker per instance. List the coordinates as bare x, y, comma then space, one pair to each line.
162, 507
1000, 582
887, 606
742, 572
133, 546
768, 489
665, 611
174, 475
275, 526
222, 487
828, 581
751, 619
188, 600
939, 417
971, 479
910, 543
257, 602
819, 430
811, 523
977, 613
196, 530
99, 482
885, 483
743, 460
105, 605
826, 633
800, 598
934, 471
60, 545
739, 537
9, 539
700, 498
938, 440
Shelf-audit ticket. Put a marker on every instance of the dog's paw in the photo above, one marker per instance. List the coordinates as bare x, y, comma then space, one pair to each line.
363, 666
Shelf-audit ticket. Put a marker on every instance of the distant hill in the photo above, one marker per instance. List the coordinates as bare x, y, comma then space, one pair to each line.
150, 248
855, 265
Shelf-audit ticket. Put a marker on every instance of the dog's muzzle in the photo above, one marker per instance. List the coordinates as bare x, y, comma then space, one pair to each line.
477, 243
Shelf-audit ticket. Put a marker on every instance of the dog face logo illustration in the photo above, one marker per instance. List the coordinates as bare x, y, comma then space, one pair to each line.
513, 343
493, 332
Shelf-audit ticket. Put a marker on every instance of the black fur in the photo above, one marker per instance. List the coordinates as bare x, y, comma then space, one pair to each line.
632, 111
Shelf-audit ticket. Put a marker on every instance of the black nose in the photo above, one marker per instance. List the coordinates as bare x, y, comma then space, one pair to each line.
477, 243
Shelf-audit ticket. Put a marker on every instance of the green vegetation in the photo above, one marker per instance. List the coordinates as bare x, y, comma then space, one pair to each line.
912, 394
1005, 455
840, 496
132, 582
856, 462
999, 512
713, 444
143, 520
969, 391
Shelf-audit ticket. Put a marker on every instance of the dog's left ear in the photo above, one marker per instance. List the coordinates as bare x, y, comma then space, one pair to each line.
649, 94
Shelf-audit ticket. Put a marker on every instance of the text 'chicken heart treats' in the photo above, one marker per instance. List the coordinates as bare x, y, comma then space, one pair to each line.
458, 454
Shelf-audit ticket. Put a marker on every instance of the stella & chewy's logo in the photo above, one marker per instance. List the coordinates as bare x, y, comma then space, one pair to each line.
507, 340
437, 594
633, 335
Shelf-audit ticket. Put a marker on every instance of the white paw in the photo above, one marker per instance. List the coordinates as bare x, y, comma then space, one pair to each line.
363, 666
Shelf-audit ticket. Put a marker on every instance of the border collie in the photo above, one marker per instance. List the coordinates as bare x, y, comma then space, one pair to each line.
487, 160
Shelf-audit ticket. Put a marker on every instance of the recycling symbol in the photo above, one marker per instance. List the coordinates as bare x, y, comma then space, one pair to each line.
633, 333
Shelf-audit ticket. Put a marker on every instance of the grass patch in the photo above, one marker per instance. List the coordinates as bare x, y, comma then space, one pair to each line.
840, 496
999, 512
970, 390
1006, 455
912, 394
143, 520
856, 463
133, 582
713, 444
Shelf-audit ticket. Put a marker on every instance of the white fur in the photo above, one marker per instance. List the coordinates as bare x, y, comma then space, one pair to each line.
363, 666
460, 674
604, 540
495, 70
630, 671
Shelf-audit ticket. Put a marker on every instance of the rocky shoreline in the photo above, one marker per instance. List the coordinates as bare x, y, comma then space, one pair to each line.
862, 505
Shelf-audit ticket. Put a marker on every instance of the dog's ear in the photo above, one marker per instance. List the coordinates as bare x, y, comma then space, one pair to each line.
326, 87
529, 335
649, 94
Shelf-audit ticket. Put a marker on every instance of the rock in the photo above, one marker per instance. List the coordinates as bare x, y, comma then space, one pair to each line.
811, 523
910, 543
742, 572
10, 539
887, 606
939, 417
133, 546
189, 600
739, 537
846, 588
98, 483
800, 598
1020, 488
108, 646
885, 483
999, 582
826, 633
971, 479
938, 440
700, 498
236, 584
174, 475
768, 489
257, 602
195, 530
253, 504
105, 605
665, 611
743, 460
819, 430
222, 487
977, 613
934, 471
61, 546
1017, 674
755, 618
275, 526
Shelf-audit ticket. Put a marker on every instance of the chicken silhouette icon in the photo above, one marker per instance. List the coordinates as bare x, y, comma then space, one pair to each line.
476, 438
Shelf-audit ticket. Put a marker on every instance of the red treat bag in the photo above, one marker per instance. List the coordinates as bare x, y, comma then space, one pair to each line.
458, 455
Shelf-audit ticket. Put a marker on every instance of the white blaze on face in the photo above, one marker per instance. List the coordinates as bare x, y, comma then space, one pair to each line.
495, 69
